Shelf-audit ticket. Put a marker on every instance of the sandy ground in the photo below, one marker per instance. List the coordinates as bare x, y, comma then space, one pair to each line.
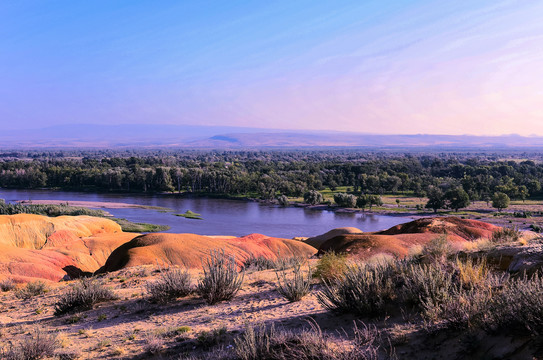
130, 327
122, 328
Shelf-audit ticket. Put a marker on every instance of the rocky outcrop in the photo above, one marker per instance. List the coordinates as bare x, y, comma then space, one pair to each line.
190, 250
514, 258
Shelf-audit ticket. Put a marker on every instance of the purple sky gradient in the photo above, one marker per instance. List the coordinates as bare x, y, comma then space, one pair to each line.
402, 67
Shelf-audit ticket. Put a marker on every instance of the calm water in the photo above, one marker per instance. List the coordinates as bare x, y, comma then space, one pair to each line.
221, 217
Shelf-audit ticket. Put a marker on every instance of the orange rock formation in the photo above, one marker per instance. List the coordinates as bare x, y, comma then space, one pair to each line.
189, 250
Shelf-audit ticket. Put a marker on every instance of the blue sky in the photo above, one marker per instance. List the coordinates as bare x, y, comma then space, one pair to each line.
368, 66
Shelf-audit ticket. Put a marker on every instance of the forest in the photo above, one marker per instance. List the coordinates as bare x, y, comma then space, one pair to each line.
270, 174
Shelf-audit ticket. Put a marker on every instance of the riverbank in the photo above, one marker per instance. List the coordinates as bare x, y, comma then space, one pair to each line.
90, 204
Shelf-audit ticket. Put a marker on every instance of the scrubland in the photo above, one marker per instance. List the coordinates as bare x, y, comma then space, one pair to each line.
439, 301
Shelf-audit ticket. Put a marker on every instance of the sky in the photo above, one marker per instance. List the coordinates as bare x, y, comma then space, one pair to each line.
387, 67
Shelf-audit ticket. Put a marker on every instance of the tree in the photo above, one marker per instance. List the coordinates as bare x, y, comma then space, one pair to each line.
500, 201
456, 198
523, 192
435, 198
375, 200
345, 200
313, 197
362, 201
282, 200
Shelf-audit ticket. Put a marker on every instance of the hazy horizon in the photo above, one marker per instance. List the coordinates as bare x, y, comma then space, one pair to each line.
394, 67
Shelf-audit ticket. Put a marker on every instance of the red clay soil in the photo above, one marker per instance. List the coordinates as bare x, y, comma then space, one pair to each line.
398, 240
190, 250
36, 246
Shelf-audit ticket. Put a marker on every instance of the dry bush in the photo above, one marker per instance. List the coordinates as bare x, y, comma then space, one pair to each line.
472, 273
171, 284
262, 263
460, 308
505, 235
295, 288
7, 284
153, 344
38, 346
424, 282
221, 278
83, 295
259, 263
363, 290
31, 289
331, 266
268, 343
518, 306
208, 339
436, 250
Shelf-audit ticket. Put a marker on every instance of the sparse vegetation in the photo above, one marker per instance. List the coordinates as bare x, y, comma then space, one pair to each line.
221, 278
171, 284
262, 342
129, 226
83, 295
260, 263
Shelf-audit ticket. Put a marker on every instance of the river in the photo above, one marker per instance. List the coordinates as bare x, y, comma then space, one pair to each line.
220, 216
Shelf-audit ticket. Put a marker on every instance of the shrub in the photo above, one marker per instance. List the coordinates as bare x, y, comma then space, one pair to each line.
171, 284
208, 339
505, 235
459, 308
259, 263
7, 284
38, 346
221, 278
436, 250
518, 307
425, 282
32, 289
472, 274
363, 290
297, 287
153, 344
262, 263
83, 296
331, 266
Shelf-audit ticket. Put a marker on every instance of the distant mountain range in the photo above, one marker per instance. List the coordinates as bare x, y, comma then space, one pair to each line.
224, 137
